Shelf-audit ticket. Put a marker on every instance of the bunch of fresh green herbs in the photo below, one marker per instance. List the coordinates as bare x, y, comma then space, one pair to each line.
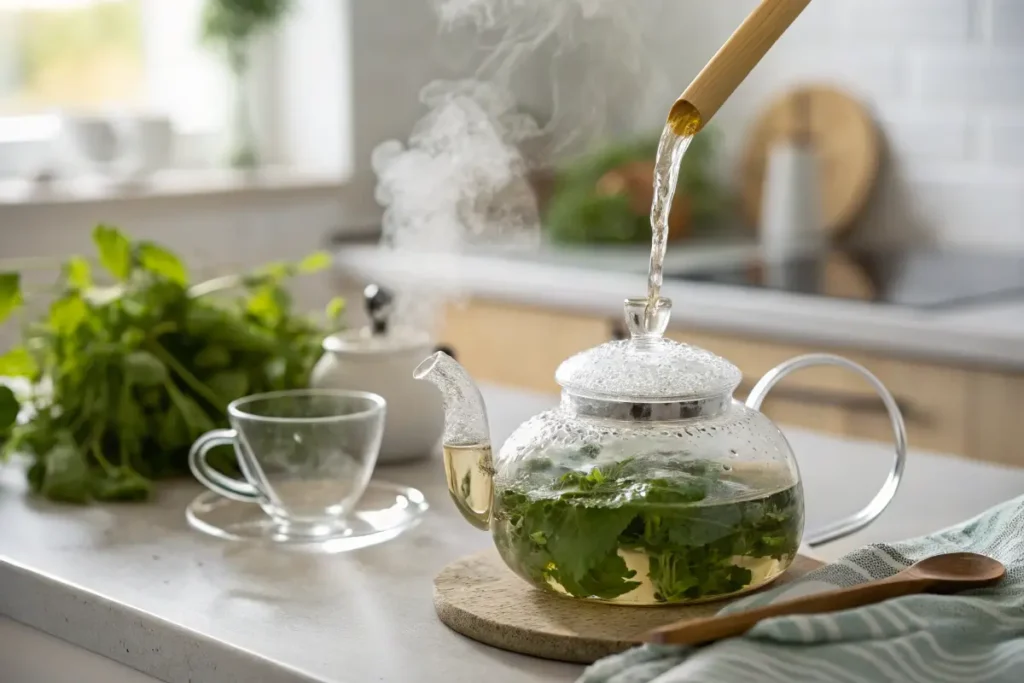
124, 377
578, 212
573, 530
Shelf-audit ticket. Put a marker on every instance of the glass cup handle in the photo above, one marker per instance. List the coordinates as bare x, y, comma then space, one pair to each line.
859, 520
235, 489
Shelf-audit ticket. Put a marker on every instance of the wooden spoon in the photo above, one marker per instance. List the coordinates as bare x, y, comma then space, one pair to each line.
940, 574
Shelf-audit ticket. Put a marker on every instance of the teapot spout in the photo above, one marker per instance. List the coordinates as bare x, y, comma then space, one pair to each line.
468, 462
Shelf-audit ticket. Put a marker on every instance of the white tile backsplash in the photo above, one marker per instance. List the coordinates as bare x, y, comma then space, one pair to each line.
945, 80
1004, 141
982, 212
917, 135
979, 76
908, 21
876, 72
1004, 21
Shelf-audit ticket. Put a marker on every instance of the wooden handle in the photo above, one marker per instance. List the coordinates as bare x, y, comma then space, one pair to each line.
731, 625
737, 58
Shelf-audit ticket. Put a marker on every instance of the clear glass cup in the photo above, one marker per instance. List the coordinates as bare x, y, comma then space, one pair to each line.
307, 456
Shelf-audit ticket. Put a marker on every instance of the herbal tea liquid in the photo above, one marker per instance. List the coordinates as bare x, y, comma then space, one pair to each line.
469, 471
644, 531
675, 140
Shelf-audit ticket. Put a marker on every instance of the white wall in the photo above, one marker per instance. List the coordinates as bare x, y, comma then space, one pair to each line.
395, 51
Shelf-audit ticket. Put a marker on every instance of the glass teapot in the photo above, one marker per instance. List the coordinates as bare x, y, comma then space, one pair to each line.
649, 484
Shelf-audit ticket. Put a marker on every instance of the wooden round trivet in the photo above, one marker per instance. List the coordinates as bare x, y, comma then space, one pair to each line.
479, 597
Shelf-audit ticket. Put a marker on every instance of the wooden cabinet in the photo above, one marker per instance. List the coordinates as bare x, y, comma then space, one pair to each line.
518, 346
996, 410
932, 398
799, 399
958, 410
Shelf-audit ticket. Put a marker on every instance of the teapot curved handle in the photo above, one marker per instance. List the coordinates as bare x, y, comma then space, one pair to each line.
856, 522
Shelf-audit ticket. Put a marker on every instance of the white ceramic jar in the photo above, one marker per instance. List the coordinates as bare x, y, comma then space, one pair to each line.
383, 364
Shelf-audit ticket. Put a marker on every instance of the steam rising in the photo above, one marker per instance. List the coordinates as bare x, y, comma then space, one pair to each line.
462, 172
553, 76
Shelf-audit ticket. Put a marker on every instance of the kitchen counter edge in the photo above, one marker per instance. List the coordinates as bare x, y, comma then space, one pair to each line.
991, 336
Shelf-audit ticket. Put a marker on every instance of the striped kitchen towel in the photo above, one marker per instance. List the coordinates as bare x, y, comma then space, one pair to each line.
973, 637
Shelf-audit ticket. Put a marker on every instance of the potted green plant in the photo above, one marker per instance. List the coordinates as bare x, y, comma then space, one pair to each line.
230, 26
605, 196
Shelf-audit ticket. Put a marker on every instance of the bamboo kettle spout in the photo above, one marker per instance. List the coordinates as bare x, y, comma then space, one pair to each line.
731, 64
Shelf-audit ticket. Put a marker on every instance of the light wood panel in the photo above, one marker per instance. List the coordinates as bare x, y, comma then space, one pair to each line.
518, 346
836, 400
995, 411
782, 405
931, 398
756, 357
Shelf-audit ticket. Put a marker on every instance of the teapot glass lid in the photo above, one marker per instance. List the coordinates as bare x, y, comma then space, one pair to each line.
647, 367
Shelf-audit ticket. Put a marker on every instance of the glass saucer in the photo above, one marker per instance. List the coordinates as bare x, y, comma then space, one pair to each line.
383, 512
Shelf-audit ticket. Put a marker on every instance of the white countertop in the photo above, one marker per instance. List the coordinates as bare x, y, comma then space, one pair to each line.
596, 282
134, 583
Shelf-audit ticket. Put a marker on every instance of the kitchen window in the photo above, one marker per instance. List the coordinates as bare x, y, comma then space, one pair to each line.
131, 58
106, 57
71, 53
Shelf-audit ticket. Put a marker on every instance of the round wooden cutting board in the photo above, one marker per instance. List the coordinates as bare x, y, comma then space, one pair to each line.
479, 597
845, 137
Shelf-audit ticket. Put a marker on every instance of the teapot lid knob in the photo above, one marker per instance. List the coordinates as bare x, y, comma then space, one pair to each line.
648, 322
379, 305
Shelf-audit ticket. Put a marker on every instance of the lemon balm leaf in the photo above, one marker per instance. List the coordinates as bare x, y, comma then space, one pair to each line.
67, 476
162, 262
335, 309
144, 369
115, 251
9, 409
18, 362
10, 294
67, 313
315, 262
78, 273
